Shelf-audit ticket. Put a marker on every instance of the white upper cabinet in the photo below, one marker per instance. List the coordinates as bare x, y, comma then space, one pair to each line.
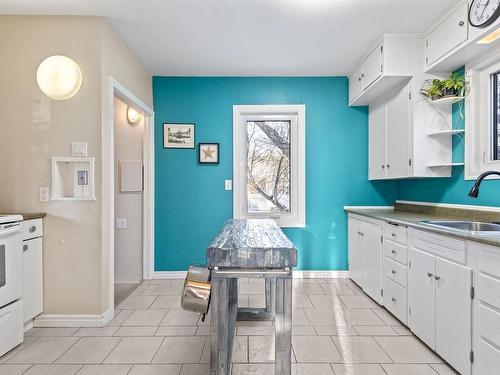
452, 42
400, 141
392, 61
398, 133
377, 141
373, 66
447, 35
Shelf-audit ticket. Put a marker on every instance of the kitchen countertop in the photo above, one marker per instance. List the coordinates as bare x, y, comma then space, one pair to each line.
27, 215
412, 219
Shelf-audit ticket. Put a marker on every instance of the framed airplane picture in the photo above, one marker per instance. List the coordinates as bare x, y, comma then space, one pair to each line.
208, 153
178, 135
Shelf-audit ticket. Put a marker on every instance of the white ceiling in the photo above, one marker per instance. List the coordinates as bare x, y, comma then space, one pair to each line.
248, 37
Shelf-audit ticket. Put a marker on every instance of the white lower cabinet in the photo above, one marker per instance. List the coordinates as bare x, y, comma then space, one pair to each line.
440, 304
447, 290
365, 256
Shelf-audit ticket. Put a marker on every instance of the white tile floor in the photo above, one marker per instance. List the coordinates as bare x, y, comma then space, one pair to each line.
337, 330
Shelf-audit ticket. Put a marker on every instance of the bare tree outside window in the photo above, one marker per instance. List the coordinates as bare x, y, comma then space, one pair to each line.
268, 166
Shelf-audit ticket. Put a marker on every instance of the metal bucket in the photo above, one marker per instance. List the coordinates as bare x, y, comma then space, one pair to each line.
196, 292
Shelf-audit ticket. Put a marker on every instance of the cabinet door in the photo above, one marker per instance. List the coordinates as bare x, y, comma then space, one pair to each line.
372, 68
377, 118
355, 256
447, 35
372, 260
398, 133
33, 279
454, 314
356, 83
421, 296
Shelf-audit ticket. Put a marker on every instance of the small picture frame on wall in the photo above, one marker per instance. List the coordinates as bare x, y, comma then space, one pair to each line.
178, 135
208, 153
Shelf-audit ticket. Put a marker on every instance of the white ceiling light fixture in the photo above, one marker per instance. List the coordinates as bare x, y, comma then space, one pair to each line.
133, 117
59, 77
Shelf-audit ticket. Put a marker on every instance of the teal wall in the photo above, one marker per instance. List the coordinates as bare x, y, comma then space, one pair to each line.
191, 203
454, 189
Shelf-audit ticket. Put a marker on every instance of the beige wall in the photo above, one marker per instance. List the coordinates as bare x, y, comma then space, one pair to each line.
33, 128
128, 205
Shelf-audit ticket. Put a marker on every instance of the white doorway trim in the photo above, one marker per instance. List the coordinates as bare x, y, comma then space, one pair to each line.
115, 89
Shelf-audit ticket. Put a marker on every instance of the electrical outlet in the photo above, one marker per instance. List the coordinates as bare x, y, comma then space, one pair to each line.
228, 184
44, 194
121, 223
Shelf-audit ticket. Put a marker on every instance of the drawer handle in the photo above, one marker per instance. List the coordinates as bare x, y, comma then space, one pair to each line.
32, 229
430, 274
393, 251
393, 272
393, 299
461, 23
393, 234
25, 247
437, 277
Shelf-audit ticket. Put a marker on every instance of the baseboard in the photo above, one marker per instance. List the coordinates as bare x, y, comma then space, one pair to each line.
297, 274
320, 274
161, 275
73, 320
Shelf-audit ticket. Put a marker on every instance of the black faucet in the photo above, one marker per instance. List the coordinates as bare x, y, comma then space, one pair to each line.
474, 192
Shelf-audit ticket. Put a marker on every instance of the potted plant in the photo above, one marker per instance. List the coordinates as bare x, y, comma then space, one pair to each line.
455, 86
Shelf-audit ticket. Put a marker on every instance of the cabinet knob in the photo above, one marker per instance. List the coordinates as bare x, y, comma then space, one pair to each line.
32, 229
359, 79
362, 75
437, 277
461, 23
393, 234
383, 166
388, 165
430, 274
393, 251
393, 299
393, 272
25, 247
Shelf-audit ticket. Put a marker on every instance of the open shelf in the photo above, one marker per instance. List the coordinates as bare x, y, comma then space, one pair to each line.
73, 179
446, 165
447, 132
448, 100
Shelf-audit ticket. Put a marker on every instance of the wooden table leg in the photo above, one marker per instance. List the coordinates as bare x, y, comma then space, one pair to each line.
270, 295
219, 351
283, 324
232, 314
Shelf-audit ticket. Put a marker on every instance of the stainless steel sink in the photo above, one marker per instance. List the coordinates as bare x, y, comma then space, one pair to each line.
467, 226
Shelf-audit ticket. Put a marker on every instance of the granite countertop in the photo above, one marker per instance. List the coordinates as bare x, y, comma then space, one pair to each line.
412, 219
27, 215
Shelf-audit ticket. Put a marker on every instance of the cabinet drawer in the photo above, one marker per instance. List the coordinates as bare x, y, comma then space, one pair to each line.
490, 262
489, 291
32, 229
396, 272
395, 251
396, 234
395, 299
488, 323
11, 326
487, 359
446, 247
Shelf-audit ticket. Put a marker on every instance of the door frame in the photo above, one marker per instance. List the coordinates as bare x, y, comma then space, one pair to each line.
116, 89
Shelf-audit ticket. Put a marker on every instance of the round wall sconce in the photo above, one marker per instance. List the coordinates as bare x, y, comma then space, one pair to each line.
133, 117
59, 77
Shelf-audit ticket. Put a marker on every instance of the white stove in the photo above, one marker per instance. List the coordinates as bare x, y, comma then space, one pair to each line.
11, 282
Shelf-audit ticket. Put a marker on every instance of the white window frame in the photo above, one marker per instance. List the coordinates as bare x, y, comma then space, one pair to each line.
296, 114
478, 116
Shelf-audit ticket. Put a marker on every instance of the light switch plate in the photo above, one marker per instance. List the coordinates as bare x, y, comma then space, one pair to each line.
44, 194
228, 184
121, 223
79, 149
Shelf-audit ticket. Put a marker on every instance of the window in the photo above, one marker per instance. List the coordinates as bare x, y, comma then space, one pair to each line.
482, 116
495, 115
269, 165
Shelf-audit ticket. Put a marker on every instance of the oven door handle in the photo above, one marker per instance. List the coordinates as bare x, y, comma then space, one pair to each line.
9, 229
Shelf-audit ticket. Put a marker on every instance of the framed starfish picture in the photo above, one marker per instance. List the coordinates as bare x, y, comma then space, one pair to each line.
208, 153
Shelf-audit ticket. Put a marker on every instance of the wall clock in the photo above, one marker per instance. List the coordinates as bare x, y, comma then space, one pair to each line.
483, 13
